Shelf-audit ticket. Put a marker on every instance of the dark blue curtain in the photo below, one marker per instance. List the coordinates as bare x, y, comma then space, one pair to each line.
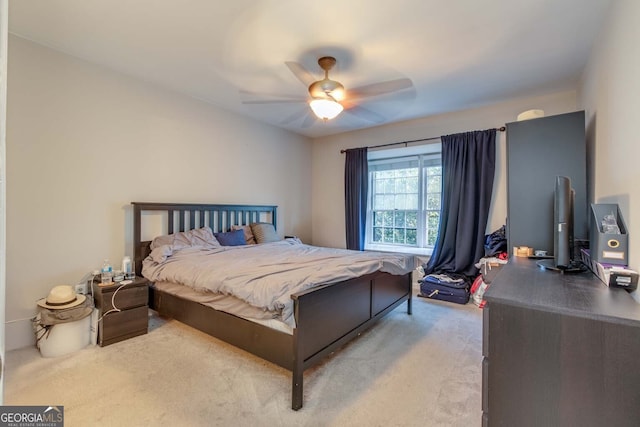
356, 183
468, 166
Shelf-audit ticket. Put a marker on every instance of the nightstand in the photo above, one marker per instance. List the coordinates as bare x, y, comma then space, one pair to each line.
131, 320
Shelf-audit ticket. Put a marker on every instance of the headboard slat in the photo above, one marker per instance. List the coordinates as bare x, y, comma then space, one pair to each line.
170, 228
180, 220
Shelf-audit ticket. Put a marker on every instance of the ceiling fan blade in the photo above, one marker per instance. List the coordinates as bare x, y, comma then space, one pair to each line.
295, 116
275, 101
380, 88
248, 93
275, 98
309, 120
301, 73
365, 113
405, 95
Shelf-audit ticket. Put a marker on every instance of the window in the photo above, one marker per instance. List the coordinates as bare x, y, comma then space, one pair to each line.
404, 201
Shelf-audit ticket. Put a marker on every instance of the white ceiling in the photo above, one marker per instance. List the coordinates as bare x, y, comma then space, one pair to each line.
458, 53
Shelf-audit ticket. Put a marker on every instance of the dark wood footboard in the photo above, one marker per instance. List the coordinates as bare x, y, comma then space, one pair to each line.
329, 317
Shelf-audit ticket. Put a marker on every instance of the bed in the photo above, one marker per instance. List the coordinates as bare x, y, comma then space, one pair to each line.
325, 317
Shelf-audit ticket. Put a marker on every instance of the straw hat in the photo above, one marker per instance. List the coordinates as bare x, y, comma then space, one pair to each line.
62, 296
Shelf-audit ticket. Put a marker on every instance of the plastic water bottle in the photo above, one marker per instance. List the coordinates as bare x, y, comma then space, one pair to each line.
106, 274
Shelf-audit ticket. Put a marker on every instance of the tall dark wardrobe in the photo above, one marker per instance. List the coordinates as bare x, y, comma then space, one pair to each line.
538, 150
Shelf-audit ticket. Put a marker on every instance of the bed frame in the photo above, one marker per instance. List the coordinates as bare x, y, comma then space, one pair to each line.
326, 317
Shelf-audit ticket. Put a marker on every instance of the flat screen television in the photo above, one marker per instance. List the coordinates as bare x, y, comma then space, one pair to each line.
563, 219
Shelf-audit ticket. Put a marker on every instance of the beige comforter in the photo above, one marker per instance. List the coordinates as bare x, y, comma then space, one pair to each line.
266, 275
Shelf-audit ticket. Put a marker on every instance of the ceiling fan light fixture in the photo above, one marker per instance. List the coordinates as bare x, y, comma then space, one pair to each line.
325, 109
326, 87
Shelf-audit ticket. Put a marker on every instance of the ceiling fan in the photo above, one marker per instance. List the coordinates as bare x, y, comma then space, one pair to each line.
328, 98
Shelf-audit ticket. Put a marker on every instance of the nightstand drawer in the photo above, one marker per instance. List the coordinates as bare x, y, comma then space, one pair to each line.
125, 298
122, 325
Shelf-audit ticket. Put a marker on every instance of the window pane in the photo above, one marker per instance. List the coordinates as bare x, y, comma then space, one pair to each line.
387, 220
412, 219
399, 219
433, 184
388, 235
378, 203
377, 234
407, 172
389, 185
412, 185
433, 219
378, 185
412, 201
434, 170
401, 201
412, 236
389, 202
398, 235
377, 219
433, 201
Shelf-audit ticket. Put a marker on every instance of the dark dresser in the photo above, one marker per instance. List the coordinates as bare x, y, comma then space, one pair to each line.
559, 350
123, 309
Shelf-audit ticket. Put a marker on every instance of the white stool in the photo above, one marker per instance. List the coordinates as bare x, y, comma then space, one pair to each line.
65, 338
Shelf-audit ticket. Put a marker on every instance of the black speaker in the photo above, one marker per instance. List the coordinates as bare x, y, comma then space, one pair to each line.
563, 222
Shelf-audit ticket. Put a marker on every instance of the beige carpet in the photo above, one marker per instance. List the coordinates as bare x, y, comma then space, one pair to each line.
419, 370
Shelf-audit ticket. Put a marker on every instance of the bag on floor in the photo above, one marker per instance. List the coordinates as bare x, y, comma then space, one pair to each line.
437, 289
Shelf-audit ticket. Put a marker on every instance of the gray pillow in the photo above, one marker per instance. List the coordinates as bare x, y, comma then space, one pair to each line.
199, 236
264, 232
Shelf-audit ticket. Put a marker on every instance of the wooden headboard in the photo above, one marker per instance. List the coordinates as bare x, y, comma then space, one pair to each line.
188, 216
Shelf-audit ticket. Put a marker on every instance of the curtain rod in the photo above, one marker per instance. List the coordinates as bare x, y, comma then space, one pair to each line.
500, 129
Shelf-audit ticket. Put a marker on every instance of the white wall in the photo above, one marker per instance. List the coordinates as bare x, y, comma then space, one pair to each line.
609, 95
83, 142
328, 163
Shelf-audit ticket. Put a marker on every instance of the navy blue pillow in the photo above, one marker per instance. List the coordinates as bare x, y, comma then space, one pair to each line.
231, 238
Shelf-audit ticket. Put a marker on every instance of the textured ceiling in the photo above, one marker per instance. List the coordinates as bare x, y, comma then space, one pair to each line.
458, 53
